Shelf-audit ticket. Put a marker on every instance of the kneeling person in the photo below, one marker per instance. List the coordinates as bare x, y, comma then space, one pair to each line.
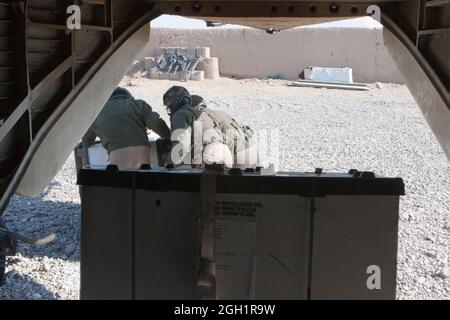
202, 135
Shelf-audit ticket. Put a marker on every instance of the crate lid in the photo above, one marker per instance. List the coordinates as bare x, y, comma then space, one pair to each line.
292, 183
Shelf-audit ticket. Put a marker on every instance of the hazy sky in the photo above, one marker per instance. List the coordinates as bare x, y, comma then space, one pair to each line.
167, 21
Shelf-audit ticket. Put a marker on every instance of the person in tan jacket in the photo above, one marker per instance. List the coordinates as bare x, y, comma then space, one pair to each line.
221, 138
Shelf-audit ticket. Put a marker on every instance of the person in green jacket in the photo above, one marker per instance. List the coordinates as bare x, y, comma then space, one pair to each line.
122, 128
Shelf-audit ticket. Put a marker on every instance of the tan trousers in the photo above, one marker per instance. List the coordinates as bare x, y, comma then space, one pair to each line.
130, 157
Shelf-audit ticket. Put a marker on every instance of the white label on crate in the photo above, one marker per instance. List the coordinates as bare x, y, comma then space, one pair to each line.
235, 248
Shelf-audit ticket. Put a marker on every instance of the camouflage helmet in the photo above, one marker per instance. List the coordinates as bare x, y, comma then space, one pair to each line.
197, 100
175, 98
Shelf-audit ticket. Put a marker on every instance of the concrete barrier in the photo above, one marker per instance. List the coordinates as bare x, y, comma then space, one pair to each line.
251, 53
211, 68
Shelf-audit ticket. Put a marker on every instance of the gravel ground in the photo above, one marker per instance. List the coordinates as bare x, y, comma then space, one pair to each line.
381, 130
